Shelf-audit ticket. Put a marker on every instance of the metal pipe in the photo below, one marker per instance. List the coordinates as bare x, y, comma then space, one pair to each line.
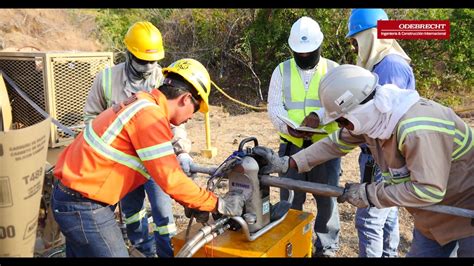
245, 228
195, 168
335, 191
305, 186
449, 210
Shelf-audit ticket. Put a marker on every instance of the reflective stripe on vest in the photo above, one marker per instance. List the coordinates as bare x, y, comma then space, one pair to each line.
299, 102
341, 145
464, 142
107, 85
136, 163
114, 129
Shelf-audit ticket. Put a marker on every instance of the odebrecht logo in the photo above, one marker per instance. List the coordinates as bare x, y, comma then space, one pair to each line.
413, 29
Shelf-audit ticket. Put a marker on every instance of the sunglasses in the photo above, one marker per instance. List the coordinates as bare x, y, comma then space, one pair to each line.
342, 122
196, 103
140, 61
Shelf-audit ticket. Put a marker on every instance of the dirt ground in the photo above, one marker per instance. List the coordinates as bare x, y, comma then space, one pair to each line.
46, 30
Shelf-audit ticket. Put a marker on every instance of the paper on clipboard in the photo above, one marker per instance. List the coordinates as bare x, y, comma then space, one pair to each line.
294, 126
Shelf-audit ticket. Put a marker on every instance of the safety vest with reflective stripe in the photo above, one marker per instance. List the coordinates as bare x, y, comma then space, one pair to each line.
463, 142
102, 144
299, 102
123, 147
107, 85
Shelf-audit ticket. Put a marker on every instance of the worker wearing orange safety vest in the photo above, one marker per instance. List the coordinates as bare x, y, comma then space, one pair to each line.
121, 149
141, 72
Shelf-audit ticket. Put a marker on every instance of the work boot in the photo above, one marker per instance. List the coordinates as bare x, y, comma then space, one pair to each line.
324, 254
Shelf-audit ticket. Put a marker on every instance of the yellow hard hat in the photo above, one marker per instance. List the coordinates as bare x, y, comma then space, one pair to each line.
196, 74
144, 41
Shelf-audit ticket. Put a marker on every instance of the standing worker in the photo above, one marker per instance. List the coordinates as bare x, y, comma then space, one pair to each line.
141, 72
293, 93
424, 150
378, 229
120, 150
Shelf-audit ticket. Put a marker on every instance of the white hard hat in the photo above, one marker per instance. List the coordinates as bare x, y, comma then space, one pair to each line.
305, 35
343, 88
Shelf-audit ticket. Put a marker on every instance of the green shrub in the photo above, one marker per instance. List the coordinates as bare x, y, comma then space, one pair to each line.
242, 47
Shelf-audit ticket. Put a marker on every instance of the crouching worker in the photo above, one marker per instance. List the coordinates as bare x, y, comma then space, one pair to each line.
121, 149
424, 150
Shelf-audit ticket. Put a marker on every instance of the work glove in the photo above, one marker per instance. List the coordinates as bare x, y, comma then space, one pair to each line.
274, 163
231, 204
355, 194
200, 216
185, 162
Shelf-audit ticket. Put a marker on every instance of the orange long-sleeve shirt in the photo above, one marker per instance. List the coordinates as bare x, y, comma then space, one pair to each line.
140, 132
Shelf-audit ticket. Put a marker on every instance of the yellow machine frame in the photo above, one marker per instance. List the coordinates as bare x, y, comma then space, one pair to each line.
291, 238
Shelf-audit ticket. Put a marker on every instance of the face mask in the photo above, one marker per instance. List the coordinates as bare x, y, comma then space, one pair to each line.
308, 61
138, 71
364, 118
143, 71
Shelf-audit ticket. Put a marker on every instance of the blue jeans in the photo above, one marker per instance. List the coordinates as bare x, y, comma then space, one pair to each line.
326, 225
162, 213
89, 226
422, 246
378, 229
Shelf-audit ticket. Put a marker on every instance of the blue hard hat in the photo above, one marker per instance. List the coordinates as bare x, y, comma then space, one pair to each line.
364, 18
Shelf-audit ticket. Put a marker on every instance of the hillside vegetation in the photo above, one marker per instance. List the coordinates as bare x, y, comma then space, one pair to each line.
241, 47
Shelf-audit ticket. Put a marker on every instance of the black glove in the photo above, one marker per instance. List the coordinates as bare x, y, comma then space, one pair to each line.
275, 163
200, 216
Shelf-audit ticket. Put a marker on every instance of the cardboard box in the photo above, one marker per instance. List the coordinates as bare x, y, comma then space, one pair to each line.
22, 161
5, 108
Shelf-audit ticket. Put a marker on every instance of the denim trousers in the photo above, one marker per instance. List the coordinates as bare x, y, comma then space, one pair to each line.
89, 226
326, 225
422, 246
162, 213
377, 229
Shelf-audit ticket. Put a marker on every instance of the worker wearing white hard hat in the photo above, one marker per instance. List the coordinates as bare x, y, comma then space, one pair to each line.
293, 93
424, 150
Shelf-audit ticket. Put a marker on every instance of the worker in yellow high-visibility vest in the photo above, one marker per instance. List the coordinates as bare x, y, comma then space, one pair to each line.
293, 93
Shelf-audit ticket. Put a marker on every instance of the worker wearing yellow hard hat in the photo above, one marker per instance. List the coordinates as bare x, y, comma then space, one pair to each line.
123, 148
141, 72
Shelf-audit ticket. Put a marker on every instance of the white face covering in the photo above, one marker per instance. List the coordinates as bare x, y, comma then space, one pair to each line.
364, 118
378, 117
372, 49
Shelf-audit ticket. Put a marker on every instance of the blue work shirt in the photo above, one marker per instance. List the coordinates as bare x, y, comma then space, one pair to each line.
393, 69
